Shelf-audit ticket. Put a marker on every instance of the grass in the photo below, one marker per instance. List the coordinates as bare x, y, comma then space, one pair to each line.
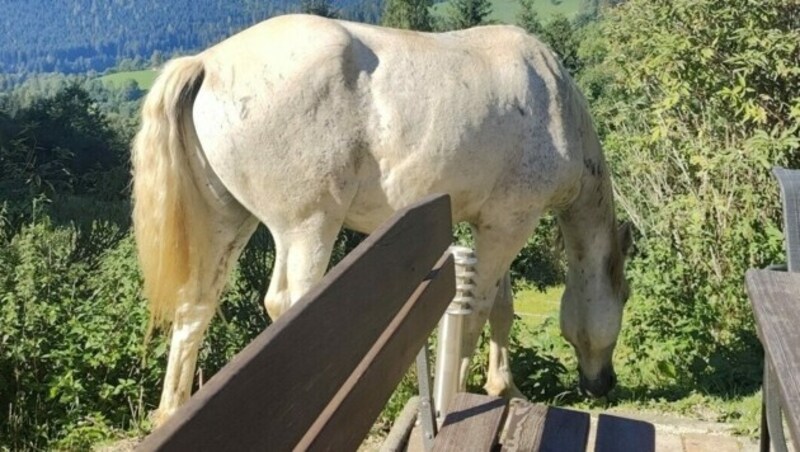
505, 11
143, 78
540, 335
534, 306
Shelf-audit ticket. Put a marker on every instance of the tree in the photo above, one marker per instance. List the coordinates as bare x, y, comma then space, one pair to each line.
558, 33
528, 18
562, 37
408, 14
323, 8
469, 13
60, 144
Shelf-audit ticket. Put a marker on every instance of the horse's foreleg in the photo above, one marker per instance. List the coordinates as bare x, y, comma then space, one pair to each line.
496, 245
499, 381
301, 260
473, 324
201, 297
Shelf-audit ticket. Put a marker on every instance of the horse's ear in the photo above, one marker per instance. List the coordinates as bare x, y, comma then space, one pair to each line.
625, 235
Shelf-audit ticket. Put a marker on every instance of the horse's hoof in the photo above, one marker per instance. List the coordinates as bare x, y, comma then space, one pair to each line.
513, 393
504, 390
159, 417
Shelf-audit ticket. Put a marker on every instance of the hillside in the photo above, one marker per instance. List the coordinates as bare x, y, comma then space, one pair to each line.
80, 36
72, 36
505, 11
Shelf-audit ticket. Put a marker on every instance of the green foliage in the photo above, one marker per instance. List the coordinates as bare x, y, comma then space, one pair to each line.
61, 144
559, 33
69, 317
507, 11
469, 13
540, 264
322, 8
528, 18
563, 37
408, 14
696, 100
74, 368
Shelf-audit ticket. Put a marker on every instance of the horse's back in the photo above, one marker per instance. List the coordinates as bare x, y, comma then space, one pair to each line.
377, 118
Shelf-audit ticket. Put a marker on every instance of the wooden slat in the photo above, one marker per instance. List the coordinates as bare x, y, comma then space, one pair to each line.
347, 419
472, 424
532, 428
775, 297
269, 395
617, 434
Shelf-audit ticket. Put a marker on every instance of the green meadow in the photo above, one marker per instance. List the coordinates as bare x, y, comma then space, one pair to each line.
143, 78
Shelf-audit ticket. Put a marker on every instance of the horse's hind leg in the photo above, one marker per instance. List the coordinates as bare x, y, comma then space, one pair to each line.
199, 303
302, 253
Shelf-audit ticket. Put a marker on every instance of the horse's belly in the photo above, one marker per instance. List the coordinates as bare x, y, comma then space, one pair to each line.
387, 185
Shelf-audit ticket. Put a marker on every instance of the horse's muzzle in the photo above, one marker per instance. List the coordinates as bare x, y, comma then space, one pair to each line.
601, 385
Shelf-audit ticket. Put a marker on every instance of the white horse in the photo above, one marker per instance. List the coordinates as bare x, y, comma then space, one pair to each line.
308, 124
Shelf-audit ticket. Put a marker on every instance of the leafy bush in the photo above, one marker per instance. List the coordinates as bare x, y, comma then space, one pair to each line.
696, 100
71, 350
74, 368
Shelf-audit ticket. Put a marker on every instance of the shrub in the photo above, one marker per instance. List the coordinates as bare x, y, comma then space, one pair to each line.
696, 100
74, 368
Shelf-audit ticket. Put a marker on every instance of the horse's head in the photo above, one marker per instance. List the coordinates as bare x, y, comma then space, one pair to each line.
591, 308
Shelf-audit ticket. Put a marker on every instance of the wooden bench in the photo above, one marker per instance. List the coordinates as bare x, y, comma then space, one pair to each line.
319, 376
777, 312
484, 423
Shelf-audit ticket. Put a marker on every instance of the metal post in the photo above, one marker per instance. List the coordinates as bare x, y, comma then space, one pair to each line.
427, 419
448, 352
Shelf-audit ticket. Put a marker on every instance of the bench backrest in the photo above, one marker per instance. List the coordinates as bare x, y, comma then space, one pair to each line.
319, 376
789, 181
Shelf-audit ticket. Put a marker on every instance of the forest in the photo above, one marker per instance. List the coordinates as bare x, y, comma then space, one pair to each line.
694, 101
78, 36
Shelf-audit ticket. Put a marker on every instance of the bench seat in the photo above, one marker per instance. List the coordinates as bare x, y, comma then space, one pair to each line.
483, 423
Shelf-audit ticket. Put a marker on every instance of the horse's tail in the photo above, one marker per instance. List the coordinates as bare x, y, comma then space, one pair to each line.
167, 205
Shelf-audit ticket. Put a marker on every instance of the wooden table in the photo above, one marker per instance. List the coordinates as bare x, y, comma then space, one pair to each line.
775, 297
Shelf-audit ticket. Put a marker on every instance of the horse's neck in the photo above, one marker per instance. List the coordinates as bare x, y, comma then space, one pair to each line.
588, 225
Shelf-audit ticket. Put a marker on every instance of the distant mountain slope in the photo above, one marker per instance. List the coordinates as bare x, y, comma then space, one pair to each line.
81, 35
506, 11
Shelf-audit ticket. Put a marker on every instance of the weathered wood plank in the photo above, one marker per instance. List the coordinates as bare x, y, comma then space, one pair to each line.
524, 427
347, 419
472, 424
532, 427
617, 434
775, 297
268, 396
